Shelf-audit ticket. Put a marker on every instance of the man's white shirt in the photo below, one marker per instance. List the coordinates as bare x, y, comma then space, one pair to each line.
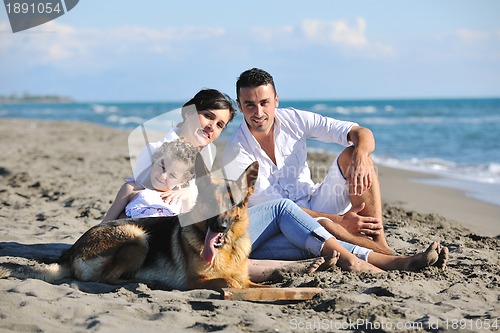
290, 177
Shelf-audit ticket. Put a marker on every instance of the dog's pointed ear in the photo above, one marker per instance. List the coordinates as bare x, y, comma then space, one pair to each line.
248, 178
201, 172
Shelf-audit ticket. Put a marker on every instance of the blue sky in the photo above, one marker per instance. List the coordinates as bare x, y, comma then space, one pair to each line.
158, 51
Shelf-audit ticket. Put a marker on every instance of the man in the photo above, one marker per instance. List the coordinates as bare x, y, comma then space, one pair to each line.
349, 196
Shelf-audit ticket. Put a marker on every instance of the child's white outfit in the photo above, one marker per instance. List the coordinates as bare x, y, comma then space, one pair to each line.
148, 203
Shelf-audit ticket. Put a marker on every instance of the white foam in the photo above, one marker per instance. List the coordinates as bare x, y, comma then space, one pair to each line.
125, 120
99, 108
344, 110
482, 173
481, 182
430, 120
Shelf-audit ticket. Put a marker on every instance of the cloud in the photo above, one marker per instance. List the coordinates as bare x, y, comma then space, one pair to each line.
462, 44
348, 38
470, 36
54, 43
336, 32
92, 50
268, 34
60, 43
5, 42
64, 45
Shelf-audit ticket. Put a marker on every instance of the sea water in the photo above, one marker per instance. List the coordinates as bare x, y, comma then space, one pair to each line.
457, 139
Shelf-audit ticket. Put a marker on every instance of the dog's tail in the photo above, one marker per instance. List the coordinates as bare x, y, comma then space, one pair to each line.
50, 273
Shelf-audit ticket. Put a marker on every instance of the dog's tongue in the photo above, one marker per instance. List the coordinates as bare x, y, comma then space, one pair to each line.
208, 252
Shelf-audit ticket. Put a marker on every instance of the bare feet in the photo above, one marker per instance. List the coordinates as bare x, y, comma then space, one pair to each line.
358, 265
443, 258
303, 266
312, 265
433, 256
330, 261
272, 270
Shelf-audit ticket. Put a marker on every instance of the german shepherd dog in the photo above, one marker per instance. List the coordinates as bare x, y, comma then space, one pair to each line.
210, 252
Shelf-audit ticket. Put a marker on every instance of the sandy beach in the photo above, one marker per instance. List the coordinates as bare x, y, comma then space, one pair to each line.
58, 179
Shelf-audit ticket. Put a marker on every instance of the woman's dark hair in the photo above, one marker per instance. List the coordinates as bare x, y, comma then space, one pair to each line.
209, 99
252, 78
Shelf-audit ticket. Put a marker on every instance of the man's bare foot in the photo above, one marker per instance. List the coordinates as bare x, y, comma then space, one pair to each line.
427, 258
330, 261
443, 257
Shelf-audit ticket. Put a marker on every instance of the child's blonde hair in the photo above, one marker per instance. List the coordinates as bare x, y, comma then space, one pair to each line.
179, 150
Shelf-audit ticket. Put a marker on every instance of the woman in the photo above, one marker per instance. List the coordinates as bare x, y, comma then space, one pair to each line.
203, 118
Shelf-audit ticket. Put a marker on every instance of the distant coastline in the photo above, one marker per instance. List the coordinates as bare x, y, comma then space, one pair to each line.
31, 98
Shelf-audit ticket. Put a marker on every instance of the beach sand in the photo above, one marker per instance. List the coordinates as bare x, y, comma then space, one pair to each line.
58, 179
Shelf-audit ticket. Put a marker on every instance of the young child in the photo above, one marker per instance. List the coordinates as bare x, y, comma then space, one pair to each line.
172, 169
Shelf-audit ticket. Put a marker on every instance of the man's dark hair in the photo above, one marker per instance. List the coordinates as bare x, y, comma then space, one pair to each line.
253, 78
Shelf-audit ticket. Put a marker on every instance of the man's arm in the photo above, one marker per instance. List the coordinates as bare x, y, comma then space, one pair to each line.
359, 173
351, 221
334, 225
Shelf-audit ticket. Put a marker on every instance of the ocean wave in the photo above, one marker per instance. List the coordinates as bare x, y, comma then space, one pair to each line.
430, 120
482, 173
481, 182
99, 108
125, 120
344, 110
485, 173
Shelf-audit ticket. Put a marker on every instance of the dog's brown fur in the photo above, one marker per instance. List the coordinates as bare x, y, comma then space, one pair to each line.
161, 250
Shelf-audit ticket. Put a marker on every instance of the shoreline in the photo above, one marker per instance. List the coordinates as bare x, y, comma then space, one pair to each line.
405, 188
400, 187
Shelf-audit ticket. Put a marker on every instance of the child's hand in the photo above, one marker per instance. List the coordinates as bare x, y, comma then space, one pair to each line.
176, 196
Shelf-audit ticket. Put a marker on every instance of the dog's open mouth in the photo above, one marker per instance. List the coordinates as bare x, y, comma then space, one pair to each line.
219, 240
213, 240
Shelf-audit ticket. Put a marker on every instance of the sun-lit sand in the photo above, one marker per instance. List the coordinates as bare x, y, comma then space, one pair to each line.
58, 179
